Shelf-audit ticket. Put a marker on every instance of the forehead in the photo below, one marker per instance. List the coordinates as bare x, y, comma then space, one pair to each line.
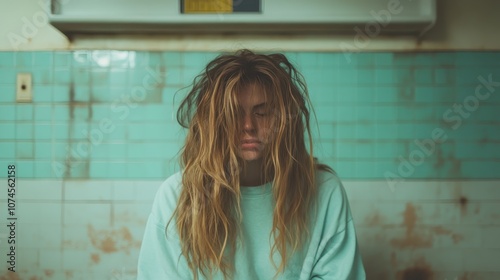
252, 95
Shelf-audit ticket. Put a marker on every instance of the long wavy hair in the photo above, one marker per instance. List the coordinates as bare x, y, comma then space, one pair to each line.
208, 213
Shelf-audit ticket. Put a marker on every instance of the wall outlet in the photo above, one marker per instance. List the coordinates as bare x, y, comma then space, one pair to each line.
24, 90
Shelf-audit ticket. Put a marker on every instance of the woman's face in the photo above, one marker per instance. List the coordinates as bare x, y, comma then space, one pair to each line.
256, 122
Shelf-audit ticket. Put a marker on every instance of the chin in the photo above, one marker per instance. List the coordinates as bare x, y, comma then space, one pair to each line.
248, 155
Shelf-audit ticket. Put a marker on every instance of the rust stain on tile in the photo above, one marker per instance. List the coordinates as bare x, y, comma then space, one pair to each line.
71, 95
439, 158
91, 112
443, 231
468, 276
411, 239
464, 276
406, 90
380, 237
442, 159
69, 274
71, 244
49, 272
394, 259
456, 167
10, 276
484, 140
95, 258
128, 218
419, 271
374, 220
410, 216
462, 201
113, 240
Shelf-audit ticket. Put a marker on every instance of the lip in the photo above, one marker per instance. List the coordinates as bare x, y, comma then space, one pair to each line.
250, 141
250, 144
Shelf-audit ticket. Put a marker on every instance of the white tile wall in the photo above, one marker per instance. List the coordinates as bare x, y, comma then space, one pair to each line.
86, 190
66, 228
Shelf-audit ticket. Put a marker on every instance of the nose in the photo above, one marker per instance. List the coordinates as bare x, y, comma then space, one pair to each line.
248, 123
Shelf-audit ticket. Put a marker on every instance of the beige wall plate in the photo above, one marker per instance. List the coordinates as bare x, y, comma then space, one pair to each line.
24, 88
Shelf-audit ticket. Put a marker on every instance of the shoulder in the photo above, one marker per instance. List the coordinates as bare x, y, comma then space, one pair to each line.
166, 198
328, 183
333, 204
172, 185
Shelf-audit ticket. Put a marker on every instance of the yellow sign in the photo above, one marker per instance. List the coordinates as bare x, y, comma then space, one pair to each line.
208, 6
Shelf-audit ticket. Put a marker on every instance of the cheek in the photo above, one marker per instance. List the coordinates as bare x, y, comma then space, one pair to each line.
267, 129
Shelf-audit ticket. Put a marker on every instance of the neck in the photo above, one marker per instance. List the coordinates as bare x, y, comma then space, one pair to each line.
252, 174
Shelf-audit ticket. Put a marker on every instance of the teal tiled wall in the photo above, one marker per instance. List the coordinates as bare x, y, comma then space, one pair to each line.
110, 114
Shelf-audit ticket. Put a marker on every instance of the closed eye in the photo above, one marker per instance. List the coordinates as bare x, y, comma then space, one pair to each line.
261, 109
261, 113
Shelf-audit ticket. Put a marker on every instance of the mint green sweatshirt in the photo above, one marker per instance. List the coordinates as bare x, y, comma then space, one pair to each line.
331, 252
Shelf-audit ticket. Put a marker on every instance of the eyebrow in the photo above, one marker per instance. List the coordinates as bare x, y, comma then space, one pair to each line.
256, 107
260, 105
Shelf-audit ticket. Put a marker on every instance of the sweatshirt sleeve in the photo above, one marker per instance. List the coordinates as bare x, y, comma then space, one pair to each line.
338, 253
160, 256
340, 258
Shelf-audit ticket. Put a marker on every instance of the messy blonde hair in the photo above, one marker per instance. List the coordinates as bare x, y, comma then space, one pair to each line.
208, 212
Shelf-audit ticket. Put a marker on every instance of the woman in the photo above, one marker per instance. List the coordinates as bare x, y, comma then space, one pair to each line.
251, 202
